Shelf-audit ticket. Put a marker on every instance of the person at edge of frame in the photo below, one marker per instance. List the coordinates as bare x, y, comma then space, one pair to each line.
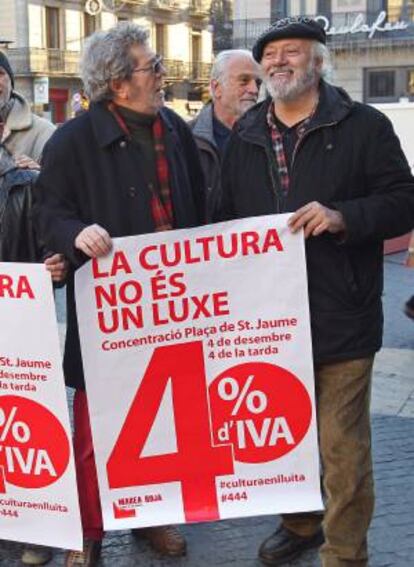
23, 133
19, 243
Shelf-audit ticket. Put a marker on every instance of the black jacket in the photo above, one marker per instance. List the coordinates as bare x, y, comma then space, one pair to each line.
17, 238
91, 174
351, 160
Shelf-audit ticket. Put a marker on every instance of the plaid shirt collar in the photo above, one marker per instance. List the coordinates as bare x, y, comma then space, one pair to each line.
277, 144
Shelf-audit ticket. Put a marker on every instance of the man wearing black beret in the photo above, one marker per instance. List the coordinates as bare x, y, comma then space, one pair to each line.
337, 165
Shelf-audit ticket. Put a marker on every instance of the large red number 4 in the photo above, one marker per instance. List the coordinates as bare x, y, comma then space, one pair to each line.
197, 462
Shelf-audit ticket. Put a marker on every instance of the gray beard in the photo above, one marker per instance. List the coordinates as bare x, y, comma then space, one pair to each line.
6, 108
291, 92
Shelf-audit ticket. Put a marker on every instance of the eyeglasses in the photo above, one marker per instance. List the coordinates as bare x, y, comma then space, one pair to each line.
156, 66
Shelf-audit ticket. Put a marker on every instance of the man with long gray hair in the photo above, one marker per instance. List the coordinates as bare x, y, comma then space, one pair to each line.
337, 165
127, 166
234, 89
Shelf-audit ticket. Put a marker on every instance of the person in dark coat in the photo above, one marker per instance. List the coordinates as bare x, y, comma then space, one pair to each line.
18, 240
337, 165
127, 166
234, 89
19, 243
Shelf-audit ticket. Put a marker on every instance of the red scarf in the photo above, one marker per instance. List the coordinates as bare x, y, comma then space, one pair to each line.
161, 204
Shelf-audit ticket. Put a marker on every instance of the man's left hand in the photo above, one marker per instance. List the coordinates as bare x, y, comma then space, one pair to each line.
25, 162
315, 219
57, 265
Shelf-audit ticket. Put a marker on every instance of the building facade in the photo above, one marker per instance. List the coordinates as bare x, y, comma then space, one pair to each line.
43, 40
372, 41
222, 24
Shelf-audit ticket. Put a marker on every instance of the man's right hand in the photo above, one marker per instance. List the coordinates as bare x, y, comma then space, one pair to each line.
94, 241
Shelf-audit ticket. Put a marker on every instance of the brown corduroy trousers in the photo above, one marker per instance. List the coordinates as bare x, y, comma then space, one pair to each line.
343, 401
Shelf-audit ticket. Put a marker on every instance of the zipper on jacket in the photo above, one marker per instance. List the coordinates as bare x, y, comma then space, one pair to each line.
270, 159
275, 185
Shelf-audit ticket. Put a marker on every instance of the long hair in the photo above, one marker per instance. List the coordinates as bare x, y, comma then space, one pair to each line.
107, 56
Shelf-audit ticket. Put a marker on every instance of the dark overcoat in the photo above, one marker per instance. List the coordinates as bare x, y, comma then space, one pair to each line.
91, 174
18, 241
350, 160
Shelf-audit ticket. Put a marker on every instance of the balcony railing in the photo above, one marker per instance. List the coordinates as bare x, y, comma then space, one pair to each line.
199, 71
27, 61
246, 31
176, 70
192, 71
167, 5
33, 61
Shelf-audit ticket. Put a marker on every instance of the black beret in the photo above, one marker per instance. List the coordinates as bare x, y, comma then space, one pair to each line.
4, 62
293, 27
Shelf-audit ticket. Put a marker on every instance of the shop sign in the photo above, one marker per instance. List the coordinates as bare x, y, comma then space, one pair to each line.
359, 25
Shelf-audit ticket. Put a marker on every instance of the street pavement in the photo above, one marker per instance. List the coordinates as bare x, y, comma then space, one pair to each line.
233, 543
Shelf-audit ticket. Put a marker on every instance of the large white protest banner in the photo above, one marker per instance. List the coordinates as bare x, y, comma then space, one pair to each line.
38, 494
197, 354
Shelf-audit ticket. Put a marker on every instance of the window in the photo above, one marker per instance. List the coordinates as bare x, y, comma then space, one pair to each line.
197, 66
400, 10
324, 7
394, 10
375, 6
381, 84
89, 24
196, 45
52, 28
161, 39
278, 9
388, 85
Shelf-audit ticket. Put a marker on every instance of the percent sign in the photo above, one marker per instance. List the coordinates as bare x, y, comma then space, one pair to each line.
229, 391
34, 452
20, 431
264, 410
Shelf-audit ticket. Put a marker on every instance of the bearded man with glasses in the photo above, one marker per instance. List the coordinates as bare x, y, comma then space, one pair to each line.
127, 166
